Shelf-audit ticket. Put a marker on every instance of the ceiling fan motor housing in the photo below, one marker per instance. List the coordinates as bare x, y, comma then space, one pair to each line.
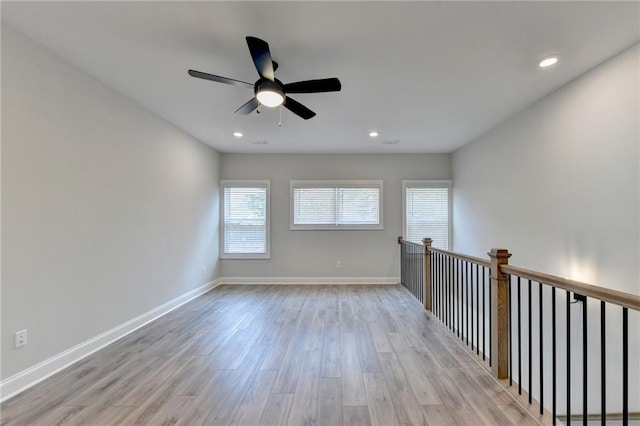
265, 85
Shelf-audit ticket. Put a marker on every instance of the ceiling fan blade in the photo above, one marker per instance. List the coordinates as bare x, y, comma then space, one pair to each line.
314, 86
219, 79
298, 109
261, 57
248, 107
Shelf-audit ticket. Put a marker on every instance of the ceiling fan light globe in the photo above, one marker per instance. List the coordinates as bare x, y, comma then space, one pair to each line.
270, 98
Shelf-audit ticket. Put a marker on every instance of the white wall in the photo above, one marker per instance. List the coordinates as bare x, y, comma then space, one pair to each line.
313, 254
108, 211
558, 185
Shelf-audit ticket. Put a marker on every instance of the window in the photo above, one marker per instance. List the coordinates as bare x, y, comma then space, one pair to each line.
245, 219
336, 204
427, 207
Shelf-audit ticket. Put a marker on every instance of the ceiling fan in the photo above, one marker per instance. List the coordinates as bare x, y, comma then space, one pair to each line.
268, 90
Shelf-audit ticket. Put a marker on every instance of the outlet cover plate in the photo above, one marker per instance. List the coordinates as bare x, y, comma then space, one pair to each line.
20, 339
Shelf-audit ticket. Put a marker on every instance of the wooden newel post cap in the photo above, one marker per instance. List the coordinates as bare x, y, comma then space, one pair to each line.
497, 253
427, 242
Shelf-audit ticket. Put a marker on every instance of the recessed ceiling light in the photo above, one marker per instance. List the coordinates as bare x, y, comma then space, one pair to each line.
238, 134
373, 134
548, 61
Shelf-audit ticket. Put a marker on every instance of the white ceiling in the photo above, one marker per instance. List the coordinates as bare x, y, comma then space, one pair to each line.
432, 75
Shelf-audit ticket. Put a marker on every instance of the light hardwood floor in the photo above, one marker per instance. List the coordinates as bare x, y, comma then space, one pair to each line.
277, 355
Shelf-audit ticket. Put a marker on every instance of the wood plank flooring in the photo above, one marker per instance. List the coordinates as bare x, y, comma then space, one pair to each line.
277, 355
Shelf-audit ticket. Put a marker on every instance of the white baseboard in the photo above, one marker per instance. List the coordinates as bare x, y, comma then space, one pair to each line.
23, 380
309, 280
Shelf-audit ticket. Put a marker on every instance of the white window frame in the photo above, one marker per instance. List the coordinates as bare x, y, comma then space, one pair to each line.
427, 184
244, 183
336, 184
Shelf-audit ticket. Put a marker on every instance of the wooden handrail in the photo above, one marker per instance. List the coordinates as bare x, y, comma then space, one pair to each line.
401, 241
620, 298
478, 260
627, 300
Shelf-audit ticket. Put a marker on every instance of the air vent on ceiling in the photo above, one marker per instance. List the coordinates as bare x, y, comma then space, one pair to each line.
262, 142
391, 142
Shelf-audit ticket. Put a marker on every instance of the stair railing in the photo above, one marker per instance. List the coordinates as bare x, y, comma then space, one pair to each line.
519, 322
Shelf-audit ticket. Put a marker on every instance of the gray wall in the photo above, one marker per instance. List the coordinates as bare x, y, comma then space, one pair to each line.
107, 210
558, 185
314, 253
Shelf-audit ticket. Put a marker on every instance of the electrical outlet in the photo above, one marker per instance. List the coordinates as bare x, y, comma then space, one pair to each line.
339, 264
20, 339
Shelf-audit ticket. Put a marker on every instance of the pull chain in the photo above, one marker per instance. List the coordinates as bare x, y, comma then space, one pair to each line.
280, 122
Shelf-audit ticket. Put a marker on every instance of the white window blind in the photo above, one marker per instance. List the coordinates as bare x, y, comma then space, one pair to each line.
245, 219
336, 205
427, 212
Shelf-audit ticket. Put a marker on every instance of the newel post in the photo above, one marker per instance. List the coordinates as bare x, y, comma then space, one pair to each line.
499, 314
426, 281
